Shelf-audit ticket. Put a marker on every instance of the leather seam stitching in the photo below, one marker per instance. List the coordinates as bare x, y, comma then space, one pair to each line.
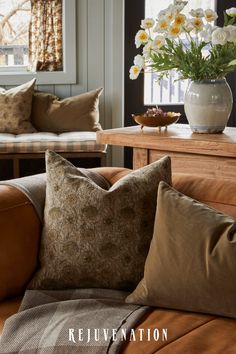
185, 334
215, 202
15, 206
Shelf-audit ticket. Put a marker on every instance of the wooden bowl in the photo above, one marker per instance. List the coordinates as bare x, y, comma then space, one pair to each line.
157, 122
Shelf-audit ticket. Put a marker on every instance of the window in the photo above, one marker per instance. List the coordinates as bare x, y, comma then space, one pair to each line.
168, 91
14, 44
14, 26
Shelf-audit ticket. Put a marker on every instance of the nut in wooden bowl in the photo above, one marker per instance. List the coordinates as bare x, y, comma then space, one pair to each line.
155, 117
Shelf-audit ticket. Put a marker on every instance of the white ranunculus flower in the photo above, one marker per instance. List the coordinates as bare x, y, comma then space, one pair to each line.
179, 5
170, 14
197, 23
210, 15
141, 38
162, 25
206, 34
188, 26
158, 42
170, 7
147, 50
220, 36
175, 31
180, 20
180, 2
139, 61
147, 23
134, 72
161, 14
231, 12
232, 33
197, 13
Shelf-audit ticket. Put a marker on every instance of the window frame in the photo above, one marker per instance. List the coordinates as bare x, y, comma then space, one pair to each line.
68, 75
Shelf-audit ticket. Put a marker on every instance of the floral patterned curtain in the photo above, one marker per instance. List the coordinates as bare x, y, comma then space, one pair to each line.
45, 35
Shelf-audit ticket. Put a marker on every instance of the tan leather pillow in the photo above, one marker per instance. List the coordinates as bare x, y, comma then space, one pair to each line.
15, 109
192, 258
77, 113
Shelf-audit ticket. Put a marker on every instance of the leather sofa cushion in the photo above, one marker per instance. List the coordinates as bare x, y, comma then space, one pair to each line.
187, 333
217, 193
19, 238
112, 175
7, 309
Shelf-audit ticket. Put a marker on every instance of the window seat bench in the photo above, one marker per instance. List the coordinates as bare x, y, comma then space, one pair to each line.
80, 144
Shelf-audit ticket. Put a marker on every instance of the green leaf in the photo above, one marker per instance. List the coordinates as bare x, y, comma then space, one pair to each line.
233, 62
226, 19
231, 21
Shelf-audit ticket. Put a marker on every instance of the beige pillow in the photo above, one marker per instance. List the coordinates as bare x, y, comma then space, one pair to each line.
77, 113
192, 258
93, 237
15, 109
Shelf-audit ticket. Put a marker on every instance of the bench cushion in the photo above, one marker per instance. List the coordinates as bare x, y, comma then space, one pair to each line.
40, 142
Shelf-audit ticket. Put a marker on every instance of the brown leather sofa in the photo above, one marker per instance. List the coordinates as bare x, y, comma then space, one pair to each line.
193, 333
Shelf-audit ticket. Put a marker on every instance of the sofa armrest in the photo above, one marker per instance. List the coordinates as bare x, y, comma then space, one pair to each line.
20, 230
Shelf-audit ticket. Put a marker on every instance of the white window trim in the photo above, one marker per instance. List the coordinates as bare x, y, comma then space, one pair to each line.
68, 75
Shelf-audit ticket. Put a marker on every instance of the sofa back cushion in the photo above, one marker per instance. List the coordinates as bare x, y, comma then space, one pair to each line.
15, 109
77, 113
217, 193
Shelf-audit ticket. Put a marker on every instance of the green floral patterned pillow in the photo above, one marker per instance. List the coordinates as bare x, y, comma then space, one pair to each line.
93, 237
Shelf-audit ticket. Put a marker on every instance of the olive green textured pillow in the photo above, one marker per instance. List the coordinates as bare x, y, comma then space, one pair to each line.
77, 113
93, 237
15, 109
192, 258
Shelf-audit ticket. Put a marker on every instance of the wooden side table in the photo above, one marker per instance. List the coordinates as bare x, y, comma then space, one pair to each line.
203, 154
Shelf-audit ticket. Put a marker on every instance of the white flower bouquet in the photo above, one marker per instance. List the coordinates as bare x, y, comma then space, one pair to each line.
192, 45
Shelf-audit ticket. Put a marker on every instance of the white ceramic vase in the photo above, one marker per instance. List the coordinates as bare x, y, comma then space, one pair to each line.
208, 105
